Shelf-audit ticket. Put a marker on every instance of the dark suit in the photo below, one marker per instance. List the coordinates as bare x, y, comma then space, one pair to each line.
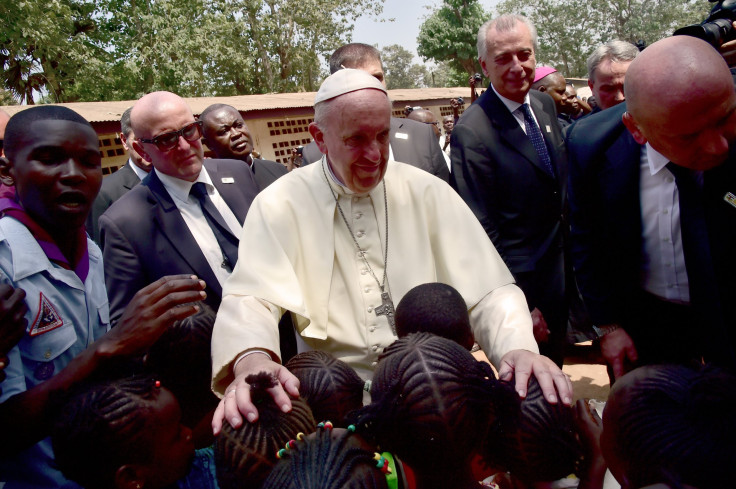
607, 243
113, 187
411, 142
144, 237
267, 172
498, 173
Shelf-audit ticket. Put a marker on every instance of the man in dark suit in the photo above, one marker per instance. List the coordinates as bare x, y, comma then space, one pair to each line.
117, 184
514, 187
225, 132
652, 242
410, 141
167, 225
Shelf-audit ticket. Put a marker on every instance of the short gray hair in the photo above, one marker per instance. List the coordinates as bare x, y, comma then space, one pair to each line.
616, 51
504, 23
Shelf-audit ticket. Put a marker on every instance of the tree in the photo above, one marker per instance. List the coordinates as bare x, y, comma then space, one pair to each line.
567, 34
400, 71
450, 34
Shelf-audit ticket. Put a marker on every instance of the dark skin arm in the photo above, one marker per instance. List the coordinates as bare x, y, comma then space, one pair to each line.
589, 428
26, 417
12, 322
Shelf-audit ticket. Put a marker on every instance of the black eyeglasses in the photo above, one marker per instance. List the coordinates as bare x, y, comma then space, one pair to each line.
168, 140
1, 144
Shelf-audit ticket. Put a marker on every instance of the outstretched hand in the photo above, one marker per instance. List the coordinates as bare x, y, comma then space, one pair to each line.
522, 364
237, 403
153, 309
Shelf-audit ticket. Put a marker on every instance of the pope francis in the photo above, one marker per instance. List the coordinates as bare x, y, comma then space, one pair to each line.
338, 243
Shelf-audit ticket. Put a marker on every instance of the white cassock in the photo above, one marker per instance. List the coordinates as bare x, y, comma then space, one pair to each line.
296, 254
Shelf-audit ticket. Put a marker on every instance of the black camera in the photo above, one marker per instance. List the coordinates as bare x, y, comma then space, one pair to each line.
478, 78
717, 28
460, 101
299, 150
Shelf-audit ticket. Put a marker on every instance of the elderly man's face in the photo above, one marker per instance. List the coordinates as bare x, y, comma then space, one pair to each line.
184, 160
695, 133
509, 62
607, 83
448, 123
226, 134
355, 138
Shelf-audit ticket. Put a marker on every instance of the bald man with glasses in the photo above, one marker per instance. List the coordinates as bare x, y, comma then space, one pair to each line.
185, 217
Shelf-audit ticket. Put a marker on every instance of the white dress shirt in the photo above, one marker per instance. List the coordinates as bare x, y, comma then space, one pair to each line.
663, 261
192, 214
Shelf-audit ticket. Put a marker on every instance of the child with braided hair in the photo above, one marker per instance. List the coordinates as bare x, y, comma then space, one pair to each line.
330, 386
329, 459
123, 433
432, 406
244, 456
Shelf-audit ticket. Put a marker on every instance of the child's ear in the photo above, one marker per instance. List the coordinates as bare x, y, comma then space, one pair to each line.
129, 477
6, 172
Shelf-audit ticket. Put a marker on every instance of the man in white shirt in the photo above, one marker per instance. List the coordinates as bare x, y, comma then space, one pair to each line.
186, 217
340, 241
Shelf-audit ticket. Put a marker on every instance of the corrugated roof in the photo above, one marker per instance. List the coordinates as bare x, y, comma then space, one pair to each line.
112, 111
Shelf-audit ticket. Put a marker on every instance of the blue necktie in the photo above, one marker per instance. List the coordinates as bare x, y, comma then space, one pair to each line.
535, 136
228, 243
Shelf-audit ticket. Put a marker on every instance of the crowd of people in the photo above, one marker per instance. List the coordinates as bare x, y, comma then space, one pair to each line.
225, 322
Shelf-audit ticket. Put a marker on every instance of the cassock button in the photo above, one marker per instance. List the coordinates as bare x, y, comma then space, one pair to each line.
367, 289
372, 329
373, 364
360, 234
363, 272
370, 309
375, 347
358, 215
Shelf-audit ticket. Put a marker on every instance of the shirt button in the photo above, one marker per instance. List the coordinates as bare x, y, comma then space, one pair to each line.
47, 355
666, 240
665, 211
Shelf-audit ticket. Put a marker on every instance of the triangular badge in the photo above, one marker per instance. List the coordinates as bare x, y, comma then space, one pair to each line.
46, 319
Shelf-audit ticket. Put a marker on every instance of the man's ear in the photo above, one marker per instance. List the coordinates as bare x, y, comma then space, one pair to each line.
318, 136
590, 85
542, 88
633, 128
129, 477
483, 67
7, 172
138, 147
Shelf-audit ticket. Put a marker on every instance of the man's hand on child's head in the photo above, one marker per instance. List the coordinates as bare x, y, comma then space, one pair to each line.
153, 309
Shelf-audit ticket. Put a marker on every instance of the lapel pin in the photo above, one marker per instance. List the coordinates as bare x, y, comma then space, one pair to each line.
730, 198
402, 135
549, 129
228, 180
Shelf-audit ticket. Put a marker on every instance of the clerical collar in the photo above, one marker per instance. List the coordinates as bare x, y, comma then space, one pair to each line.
341, 186
510, 104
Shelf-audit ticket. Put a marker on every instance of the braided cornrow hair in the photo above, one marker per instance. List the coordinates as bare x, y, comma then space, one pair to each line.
671, 423
329, 459
101, 427
188, 338
432, 402
244, 456
330, 386
538, 442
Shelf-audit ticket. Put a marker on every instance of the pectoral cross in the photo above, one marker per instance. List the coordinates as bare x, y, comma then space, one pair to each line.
387, 309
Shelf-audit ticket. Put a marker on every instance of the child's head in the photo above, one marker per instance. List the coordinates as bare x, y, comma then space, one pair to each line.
244, 456
536, 441
121, 433
53, 160
189, 380
331, 387
435, 308
432, 402
671, 424
330, 458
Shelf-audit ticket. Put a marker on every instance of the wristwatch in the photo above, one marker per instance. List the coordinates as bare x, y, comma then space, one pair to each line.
602, 331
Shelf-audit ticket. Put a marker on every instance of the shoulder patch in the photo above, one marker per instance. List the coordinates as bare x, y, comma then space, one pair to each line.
47, 318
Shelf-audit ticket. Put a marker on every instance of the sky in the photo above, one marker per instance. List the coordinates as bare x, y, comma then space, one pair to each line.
408, 15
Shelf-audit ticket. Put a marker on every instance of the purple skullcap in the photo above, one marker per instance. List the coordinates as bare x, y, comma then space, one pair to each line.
543, 71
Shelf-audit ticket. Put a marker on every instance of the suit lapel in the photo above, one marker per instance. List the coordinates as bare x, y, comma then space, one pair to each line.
399, 140
509, 129
233, 192
171, 225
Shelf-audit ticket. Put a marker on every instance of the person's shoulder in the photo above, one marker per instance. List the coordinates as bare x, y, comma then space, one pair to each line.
272, 165
130, 203
599, 129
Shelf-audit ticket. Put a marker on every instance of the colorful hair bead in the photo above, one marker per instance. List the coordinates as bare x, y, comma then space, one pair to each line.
325, 425
290, 444
157, 384
351, 428
382, 463
300, 436
280, 454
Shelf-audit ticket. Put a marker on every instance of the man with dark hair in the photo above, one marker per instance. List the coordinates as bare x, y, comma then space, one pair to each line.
509, 165
411, 142
224, 132
117, 184
607, 70
186, 217
652, 243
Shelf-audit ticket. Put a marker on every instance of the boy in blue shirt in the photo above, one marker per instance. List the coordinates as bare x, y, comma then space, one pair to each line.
51, 174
